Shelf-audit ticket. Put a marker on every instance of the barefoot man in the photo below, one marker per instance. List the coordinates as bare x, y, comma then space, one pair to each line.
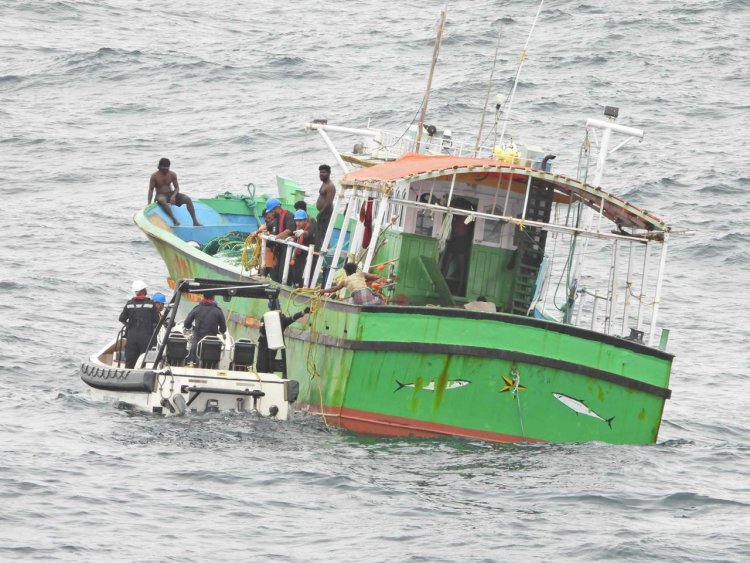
162, 181
325, 202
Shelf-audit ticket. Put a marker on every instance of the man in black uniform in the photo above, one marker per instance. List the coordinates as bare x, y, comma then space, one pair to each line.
208, 320
266, 357
140, 317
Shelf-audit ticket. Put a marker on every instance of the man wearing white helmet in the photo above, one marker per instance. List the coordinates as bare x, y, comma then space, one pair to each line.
140, 318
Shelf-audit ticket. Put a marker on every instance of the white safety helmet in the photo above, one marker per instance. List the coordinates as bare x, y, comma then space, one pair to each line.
138, 286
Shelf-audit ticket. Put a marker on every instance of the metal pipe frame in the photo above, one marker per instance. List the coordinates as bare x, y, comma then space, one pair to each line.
657, 293
337, 203
377, 228
642, 294
628, 289
544, 226
342, 236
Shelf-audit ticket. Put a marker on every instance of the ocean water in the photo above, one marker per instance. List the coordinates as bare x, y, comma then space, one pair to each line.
92, 94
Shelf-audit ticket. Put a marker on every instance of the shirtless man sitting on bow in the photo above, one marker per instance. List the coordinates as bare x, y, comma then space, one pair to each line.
163, 181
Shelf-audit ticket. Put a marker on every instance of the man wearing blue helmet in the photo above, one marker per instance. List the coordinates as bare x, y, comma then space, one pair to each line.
280, 225
159, 300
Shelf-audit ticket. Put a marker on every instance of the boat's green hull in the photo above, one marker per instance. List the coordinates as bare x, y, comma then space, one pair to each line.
438, 371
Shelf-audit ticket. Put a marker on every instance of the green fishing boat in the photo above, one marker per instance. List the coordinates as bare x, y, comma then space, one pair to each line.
492, 325
512, 303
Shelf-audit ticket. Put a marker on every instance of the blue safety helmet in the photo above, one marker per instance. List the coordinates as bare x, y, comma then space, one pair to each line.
300, 215
159, 298
272, 203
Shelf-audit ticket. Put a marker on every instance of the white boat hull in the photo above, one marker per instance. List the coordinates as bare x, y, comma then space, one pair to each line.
187, 389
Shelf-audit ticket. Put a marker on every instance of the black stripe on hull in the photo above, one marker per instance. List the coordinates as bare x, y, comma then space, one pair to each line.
480, 352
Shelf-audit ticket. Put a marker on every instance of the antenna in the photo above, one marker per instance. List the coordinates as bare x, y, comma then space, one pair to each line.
487, 98
521, 60
435, 53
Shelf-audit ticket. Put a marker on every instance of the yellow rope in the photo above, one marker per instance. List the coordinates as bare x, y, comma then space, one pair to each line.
315, 304
251, 252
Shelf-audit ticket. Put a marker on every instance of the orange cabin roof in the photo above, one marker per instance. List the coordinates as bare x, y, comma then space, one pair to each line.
412, 164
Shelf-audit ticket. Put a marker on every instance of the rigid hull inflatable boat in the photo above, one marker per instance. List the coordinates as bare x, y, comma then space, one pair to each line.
222, 379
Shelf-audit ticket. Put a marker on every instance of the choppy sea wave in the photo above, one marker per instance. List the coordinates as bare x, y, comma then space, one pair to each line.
92, 94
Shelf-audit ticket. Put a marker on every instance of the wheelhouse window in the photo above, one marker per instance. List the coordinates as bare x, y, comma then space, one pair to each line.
493, 228
425, 218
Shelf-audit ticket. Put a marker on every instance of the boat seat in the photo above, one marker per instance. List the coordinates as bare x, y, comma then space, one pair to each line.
177, 349
243, 354
209, 352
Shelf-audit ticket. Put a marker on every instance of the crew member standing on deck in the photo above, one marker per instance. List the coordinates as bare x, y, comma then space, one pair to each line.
267, 358
324, 204
140, 318
209, 321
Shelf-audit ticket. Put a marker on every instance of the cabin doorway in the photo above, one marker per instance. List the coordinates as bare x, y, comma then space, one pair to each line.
454, 260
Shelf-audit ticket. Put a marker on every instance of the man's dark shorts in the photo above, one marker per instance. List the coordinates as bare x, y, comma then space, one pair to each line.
181, 198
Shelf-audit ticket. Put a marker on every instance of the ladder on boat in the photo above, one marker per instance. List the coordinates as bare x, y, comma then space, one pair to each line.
530, 243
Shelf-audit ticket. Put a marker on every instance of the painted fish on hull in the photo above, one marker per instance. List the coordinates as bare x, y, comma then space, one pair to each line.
455, 384
580, 407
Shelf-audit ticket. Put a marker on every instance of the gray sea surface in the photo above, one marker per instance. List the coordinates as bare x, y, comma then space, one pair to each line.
93, 93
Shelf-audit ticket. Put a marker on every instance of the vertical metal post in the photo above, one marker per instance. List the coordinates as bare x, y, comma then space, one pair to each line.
342, 238
526, 198
337, 202
642, 292
263, 246
308, 265
518, 72
601, 160
579, 309
657, 295
426, 99
450, 193
613, 287
628, 289
376, 230
593, 309
359, 227
615, 276
507, 194
287, 256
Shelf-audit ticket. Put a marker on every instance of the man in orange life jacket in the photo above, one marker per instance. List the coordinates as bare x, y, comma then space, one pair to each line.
281, 225
140, 318
305, 234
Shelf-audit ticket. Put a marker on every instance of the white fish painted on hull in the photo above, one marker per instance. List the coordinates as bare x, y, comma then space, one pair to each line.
580, 407
455, 384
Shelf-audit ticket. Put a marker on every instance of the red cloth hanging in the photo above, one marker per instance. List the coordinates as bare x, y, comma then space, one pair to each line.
365, 215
